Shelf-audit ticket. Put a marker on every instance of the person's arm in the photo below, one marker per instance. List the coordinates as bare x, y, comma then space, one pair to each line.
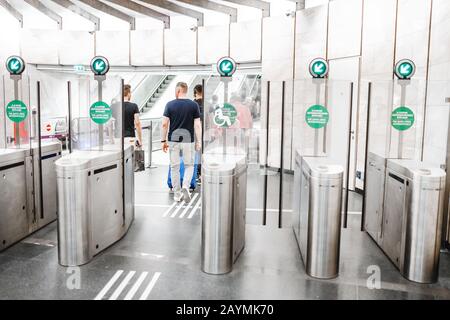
164, 131
138, 125
198, 134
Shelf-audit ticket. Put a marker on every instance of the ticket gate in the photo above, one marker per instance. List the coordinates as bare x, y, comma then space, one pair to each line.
94, 212
404, 214
224, 205
27, 168
317, 208
404, 196
96, 180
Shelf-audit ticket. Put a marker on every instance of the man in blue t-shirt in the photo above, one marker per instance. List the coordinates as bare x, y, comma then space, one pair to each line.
182, 135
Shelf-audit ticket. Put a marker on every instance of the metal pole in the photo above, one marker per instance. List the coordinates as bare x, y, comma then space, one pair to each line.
316, 131
100, 80
366, 154
150, 146
280, 213
403, 84
39, 137
266, 156
16, 97
446, 222
225, 100
349, 143
69, 117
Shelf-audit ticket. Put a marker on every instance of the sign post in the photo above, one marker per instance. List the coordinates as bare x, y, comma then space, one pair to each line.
15, 112
318, 69
404, 71
226, 67
99, 110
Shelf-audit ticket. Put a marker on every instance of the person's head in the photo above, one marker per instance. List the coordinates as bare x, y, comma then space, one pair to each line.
181, 90
127, 92
198, 92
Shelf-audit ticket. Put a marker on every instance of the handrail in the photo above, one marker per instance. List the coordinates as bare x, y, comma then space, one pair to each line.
152, 92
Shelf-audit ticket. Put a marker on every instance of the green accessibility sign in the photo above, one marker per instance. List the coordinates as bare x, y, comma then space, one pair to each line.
317, 117
402, 118
16, 111
226, 116
100, 112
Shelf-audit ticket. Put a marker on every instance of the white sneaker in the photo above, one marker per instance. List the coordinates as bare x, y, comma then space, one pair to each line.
178, 196
186, 195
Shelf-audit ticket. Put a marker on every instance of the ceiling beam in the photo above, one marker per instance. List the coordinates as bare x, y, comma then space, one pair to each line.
47, 11
170, 6
131, 5
12, 11
301, 4
214, 6
103, 7
258, 4
79, 11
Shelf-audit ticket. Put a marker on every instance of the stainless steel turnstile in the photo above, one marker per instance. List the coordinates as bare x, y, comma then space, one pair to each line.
27, 191
317, 214
404, 213
95, 201
223, 210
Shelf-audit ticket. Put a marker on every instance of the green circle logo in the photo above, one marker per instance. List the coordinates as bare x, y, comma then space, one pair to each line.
402, 118
15, 65
16, 111
317, 117
100, 66
226, 116
100, 112
226, 67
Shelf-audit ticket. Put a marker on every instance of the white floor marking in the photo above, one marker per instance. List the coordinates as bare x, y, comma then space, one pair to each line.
136, 286
150, 286
177, 210
195, 208
108, 285
170, 209
122, 285
188, 206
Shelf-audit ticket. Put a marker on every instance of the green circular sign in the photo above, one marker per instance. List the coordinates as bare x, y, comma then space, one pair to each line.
226, 67
15, 65
100, 65
402, 118
405, 69
100, 112
226, 116
317, 117
319, 68
16, 111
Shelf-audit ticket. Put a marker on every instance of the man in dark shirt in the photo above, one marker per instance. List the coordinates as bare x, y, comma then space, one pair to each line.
198, 97
131, 121
181, 134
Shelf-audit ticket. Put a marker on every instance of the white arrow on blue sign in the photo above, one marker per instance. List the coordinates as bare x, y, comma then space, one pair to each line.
15, 65
318, 68
100, 66
226, 67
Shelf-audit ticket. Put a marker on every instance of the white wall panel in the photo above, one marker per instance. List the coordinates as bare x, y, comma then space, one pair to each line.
439, 85
310, 38
76, 47
180, 46
277, 66
11, 41
245, 41
344, 32
40, 46
377, 61
114, 45
213, 43
147, 47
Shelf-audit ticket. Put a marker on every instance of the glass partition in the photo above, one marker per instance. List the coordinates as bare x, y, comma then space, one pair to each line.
17, 113
96, 115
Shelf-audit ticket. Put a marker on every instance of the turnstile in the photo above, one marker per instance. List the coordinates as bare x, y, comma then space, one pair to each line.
317, 214
95, 202
404, 213
224, 192
27, 191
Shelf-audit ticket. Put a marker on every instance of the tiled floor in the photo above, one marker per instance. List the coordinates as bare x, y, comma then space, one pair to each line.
160, 259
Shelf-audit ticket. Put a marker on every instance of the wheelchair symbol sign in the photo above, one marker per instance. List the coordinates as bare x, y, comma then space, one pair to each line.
225, 116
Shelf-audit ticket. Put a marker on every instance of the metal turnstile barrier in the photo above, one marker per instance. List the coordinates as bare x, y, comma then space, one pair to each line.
27, 190
223, 210
96, 205
317, 211
404, 214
